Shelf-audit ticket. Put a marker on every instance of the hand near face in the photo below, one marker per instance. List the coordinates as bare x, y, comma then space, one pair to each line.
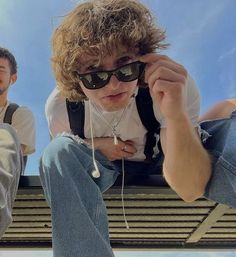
123, 149
167, 81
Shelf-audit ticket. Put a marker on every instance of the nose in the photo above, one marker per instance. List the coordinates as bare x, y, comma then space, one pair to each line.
113, 83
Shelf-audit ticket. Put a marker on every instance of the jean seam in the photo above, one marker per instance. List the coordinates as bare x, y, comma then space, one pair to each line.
97, 212
227, 165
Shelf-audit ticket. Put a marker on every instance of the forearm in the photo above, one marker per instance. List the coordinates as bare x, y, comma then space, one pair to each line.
98, 142
187, 165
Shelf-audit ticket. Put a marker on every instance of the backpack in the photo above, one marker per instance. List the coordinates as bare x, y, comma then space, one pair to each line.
12, 107
144, 105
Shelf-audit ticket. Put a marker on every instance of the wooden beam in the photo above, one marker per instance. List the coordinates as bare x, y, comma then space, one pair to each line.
207, 223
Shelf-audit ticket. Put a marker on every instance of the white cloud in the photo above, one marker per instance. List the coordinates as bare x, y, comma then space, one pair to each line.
198, 21
228, 54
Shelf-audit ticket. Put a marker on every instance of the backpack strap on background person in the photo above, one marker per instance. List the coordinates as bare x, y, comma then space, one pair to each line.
145, 109
12, 107
76, 115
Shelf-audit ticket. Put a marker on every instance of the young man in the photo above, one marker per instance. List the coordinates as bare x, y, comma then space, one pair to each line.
103, 52
16, 140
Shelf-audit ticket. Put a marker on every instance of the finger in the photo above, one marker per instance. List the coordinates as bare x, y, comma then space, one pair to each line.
167, 88
128, 148
161, 60
157, 67
152, 57
124, 155
127, 155
165, 74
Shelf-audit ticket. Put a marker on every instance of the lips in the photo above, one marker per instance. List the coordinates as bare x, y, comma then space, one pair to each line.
115, 96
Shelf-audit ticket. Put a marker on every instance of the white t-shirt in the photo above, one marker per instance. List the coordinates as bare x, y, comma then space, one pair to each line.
24, 124
129, 125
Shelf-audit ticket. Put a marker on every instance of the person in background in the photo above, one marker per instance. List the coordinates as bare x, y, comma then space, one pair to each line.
221, 110
104, 52
17, 139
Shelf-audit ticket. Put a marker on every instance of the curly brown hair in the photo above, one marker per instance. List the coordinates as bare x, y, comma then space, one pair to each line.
97, 28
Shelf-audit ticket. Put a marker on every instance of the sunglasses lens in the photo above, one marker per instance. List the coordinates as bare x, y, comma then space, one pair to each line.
125, 73
129, 72
95, 80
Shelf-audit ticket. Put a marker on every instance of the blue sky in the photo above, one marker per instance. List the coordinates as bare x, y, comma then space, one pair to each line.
202, 34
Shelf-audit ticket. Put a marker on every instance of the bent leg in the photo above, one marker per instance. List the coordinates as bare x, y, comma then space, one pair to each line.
221, 144
10, 169
79, 219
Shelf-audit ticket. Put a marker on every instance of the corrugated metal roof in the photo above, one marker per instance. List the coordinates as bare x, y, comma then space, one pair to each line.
157, 217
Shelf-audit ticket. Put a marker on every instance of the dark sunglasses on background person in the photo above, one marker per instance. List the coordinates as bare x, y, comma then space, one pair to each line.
125, 73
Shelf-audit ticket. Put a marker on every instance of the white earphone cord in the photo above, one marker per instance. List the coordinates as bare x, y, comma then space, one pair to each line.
96, 173
122, 193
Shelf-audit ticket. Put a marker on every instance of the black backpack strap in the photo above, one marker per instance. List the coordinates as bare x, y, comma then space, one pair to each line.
9, 113
12, 107
76, 114
145, 109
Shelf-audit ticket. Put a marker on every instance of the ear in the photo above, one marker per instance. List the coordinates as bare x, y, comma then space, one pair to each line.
13, 78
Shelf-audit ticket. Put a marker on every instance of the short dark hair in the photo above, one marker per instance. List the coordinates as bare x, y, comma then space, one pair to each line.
6, 54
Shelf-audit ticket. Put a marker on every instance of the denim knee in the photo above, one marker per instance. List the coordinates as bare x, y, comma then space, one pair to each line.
56, 163
64, 155
61, 148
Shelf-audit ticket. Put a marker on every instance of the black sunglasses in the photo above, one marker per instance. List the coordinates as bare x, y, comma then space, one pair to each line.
125, 73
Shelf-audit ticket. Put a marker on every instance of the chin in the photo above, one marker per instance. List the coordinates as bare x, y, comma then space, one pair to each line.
114, 107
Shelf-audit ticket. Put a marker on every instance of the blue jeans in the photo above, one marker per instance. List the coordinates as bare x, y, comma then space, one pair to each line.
221, 145
79, 218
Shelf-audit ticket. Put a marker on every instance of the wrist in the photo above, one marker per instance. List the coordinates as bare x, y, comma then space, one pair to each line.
97, 142
178, 120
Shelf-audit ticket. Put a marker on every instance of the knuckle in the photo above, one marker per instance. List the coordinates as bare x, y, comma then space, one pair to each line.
184, 72
183, 80
156, 85
162, 63
160, 70
163, 57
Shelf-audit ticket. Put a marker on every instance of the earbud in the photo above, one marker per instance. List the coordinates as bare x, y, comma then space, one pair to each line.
95, 173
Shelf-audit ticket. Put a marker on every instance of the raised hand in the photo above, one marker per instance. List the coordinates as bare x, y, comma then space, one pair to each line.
167, 82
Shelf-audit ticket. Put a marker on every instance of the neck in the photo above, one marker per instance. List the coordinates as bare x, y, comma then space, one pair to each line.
3, 100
